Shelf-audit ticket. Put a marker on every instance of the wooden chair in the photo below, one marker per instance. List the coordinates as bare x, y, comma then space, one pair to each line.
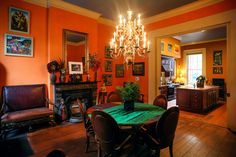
163, 134
87, 124
161, 101
114, 96
111, 140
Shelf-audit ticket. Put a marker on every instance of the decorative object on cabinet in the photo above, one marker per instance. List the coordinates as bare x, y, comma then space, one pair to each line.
129, 39
217, 57
170, 47
75, 78
139, 69
107, 78
108, 66
19, 20
217, 70
119, 70
52, 68
107, 52
16, 45
129, 93
75, 68
200, 81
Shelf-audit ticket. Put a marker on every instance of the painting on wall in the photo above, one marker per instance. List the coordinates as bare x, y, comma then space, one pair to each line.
138, 69
119, 70
217, 70
162, 46
16, 45
170, 47
19, 20
107, 79
75, 68
107, 52
108, 66
217, 57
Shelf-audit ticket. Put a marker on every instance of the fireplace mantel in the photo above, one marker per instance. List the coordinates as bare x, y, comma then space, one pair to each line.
86, 91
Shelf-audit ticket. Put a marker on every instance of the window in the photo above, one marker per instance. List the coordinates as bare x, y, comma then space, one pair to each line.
194, 67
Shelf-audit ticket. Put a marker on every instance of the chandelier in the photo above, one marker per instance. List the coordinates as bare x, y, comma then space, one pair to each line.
129, 39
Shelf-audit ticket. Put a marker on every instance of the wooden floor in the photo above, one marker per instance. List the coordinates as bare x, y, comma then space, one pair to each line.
196, 135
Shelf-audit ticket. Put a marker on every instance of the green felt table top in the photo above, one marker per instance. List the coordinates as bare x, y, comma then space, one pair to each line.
141, 114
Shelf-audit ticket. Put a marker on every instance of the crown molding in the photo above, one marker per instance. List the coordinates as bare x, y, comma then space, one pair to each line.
106, 21
66, 6
203, 42
181, 10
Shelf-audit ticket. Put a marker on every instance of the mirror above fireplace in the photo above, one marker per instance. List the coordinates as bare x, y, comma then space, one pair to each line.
75, 48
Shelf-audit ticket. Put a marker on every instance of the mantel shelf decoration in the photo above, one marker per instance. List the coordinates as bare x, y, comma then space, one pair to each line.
129, 39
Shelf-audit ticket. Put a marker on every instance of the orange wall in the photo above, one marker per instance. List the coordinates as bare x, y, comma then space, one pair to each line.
24, 70
46, 27
210, 48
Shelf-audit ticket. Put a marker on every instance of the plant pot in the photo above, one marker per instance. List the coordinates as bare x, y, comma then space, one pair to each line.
200, 84
129, 105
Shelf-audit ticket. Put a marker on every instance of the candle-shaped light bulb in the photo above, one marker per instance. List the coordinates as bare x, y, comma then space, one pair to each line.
139, 19
114, 35
148, 45
129, 14
120, 19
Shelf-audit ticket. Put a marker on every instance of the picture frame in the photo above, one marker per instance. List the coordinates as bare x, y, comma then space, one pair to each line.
217, 57
107, 52
170, 47
19, 20
162, 46
16, 45
217, 70
138, 69
108, 66
119, 70
107, 79
75, 67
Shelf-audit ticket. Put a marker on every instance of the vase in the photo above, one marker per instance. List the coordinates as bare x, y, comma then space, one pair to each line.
95, 76
53, 78
200, 84
129, 105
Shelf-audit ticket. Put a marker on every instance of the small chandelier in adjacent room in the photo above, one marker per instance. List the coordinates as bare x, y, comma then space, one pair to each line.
129, 39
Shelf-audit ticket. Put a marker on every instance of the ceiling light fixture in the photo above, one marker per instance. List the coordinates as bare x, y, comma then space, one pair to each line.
129, 39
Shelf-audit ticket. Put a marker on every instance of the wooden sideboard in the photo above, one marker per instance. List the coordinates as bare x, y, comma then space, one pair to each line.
199, 100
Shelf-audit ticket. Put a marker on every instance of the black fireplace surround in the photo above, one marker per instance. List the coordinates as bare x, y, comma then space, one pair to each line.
67, 93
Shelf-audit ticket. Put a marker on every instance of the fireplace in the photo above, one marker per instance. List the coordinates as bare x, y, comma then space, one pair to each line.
66, 95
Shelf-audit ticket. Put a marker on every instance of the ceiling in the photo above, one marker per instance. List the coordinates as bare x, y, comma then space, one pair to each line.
111, 9
203, 35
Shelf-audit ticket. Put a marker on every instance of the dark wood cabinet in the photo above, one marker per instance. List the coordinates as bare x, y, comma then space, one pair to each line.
198, 100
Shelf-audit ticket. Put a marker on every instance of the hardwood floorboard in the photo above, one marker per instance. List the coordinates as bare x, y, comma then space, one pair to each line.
196, 136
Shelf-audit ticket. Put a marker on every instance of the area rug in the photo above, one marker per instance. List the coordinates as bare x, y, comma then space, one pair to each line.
16, 147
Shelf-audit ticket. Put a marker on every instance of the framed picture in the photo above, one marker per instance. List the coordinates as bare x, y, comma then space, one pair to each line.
119, 70
107, 78
19, 20
75, 68
170, 47
16, 45
107, 52
139, 69
217, 57
108, 66
217, 70
162, 46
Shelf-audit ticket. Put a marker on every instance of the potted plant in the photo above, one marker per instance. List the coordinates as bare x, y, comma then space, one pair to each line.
53, 67
200, 81
129, 93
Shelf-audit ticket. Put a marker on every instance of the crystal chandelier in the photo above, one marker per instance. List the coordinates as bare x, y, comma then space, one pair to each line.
129, 39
